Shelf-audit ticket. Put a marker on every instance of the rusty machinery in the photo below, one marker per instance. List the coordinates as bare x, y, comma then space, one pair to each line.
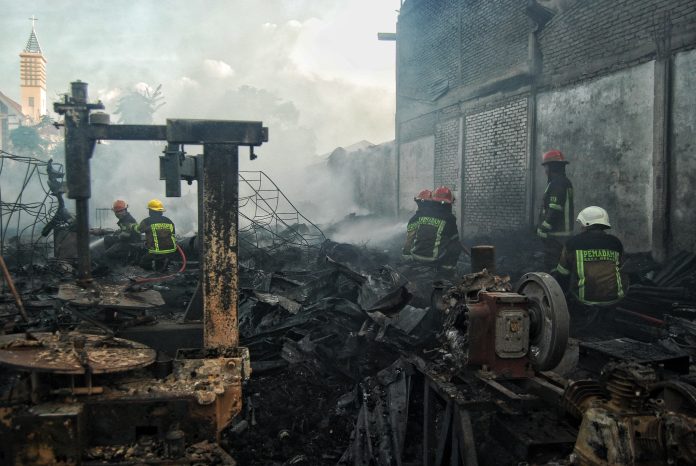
498, 345
85, 391
628, 417
507, 335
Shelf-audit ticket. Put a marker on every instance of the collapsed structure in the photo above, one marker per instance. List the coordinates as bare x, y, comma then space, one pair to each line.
314, 352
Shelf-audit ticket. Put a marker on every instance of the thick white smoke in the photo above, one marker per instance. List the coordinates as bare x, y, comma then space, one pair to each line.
311, 70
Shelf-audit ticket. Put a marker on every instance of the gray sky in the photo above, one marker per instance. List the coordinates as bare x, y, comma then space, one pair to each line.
320, 56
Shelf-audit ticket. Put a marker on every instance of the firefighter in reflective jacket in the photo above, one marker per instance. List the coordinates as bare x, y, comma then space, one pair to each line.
556, 216
432, 237
120, 246
159, 236
590, 264
423, 202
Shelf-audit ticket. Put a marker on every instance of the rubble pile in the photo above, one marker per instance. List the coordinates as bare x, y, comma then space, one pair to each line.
335, 337
317, 339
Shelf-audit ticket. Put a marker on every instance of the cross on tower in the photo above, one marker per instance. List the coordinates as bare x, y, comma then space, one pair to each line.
33, 20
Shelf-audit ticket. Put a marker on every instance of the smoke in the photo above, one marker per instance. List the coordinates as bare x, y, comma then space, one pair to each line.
311, 70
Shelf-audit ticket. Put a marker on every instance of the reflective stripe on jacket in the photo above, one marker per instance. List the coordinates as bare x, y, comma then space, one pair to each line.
557, 214
159, 233
432, 236
592, 261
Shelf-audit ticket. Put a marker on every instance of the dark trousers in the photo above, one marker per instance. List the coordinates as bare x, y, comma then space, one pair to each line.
156, 262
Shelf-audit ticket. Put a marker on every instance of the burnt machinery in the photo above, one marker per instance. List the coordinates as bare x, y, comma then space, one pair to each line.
73, 393
507, 334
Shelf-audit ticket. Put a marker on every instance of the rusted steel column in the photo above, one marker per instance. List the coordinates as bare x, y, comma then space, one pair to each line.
219, 245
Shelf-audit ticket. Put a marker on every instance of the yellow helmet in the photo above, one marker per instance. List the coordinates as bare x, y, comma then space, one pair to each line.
156, 205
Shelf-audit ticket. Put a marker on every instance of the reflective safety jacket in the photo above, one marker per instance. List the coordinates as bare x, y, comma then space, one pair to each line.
592, 263
159, 233
557, 215
432, 235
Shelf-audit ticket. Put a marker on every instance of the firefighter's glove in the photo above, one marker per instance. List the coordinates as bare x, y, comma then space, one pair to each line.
543, 230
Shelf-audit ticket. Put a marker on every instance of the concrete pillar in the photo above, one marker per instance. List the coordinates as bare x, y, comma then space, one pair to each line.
661, 144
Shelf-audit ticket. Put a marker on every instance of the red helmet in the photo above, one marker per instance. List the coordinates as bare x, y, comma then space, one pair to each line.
425, 195
553, 156
119, 205
443, 194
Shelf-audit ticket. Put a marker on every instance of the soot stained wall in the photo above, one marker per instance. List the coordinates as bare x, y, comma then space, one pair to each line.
604, 127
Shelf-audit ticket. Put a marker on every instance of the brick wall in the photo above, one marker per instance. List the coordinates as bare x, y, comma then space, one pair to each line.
592, 31
493, 39
445, 44
447, 154
495, 161
429, 30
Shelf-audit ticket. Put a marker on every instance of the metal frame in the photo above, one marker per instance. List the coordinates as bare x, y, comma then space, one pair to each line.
217, 175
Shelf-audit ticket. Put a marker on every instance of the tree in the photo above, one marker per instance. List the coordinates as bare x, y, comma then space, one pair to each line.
26, 140
139, 106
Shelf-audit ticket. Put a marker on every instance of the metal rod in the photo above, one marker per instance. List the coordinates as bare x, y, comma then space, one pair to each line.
13, 290
84, 271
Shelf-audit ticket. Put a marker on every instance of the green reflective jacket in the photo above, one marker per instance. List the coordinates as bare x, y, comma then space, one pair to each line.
159, 233
557, 216
592, 262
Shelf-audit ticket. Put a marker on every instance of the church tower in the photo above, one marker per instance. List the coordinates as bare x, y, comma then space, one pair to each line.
33, 78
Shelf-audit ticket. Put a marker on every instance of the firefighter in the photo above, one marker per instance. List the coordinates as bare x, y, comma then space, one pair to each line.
423, 202
556, 216
159, 237
435, 238
590, 264
120, 246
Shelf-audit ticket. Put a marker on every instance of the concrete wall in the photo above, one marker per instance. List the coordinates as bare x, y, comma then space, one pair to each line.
416, 170
604, 127
683, 206
495, 168
369, 176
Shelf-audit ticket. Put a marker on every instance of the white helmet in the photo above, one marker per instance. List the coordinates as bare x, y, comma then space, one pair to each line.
593, 215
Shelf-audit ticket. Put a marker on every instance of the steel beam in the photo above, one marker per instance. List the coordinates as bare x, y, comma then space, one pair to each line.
242, 133
128, 132
219, 245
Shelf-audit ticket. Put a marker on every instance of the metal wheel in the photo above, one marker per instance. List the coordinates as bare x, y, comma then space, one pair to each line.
549, 319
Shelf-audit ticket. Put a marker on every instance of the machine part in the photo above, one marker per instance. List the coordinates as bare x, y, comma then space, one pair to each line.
73, 353
48, 434
677, 395
483, 257
498, 334
500, 319
549, 319
628, 385
511, 333
628, 427
109, 296
579, 393
175, 445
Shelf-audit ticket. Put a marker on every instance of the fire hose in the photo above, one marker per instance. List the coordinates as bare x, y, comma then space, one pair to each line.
139, 280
